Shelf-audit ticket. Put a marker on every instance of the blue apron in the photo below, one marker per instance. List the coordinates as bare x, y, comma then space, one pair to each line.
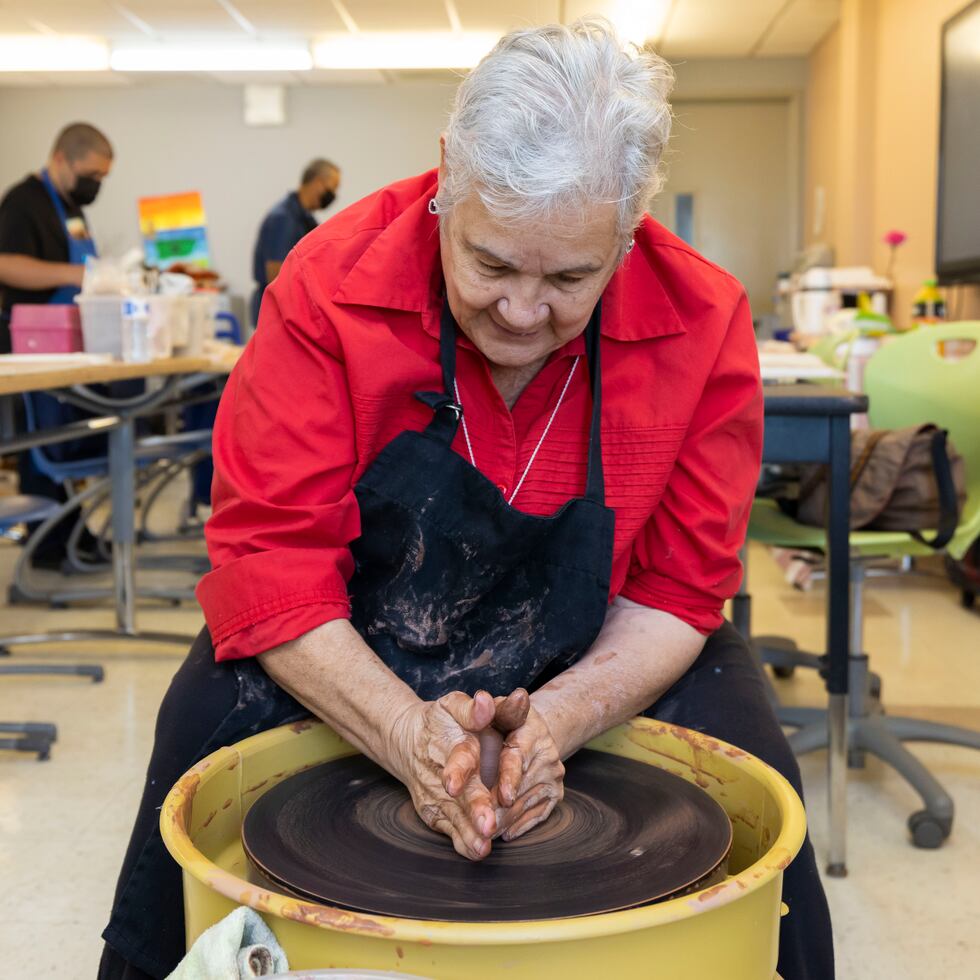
48, 411
79, 249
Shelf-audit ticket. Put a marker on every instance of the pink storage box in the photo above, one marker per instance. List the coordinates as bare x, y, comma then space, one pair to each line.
45, 329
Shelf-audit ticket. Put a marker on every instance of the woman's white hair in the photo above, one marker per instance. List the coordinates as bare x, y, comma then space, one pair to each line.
556, 119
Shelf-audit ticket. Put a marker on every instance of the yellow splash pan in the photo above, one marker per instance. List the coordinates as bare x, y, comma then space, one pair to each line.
729, 930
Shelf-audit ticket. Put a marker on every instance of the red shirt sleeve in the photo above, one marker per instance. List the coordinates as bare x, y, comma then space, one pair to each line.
284, 458
685, 559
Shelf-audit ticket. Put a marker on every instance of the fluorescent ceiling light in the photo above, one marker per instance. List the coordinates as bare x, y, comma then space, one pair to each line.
639, 20
378, 50
245, 57
52, 52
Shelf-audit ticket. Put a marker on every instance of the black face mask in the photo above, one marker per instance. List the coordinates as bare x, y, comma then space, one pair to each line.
326, 199
86, 190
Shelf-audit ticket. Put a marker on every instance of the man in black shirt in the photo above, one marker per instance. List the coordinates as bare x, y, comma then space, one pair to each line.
288, 221
40, 248
44, 241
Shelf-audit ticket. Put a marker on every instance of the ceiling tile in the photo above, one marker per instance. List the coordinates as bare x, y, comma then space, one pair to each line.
717, 28
185, 17
66, 17
506, 15
697, 28
12, 22
801, 28
307, 17
398, 15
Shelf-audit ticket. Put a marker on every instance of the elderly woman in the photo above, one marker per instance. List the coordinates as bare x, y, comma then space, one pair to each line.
497, 430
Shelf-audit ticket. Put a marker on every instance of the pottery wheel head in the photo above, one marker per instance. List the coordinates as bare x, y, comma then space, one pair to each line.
345, 833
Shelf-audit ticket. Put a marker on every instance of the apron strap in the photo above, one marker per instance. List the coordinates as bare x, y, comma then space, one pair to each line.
55, 198
77, 250
448, 413
445, 421
595, 486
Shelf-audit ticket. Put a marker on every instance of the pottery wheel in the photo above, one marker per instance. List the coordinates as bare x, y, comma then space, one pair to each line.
626, 834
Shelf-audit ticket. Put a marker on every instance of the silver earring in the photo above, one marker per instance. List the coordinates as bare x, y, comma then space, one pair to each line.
629, 247
433, 206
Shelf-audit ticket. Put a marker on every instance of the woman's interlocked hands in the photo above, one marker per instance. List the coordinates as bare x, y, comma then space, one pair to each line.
478, 768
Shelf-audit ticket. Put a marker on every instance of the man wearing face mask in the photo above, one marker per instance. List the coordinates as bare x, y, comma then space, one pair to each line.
289, 221
44, 238
44, 241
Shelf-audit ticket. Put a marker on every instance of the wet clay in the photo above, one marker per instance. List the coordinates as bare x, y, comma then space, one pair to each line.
345, 833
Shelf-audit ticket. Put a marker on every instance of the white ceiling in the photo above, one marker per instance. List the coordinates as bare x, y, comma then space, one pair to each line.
691, 28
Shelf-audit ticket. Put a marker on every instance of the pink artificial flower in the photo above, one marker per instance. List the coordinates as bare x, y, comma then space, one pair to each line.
894, 238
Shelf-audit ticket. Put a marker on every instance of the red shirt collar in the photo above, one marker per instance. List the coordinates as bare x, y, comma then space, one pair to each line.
401, 270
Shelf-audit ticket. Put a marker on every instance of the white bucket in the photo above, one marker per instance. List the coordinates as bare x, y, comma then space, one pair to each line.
101, 324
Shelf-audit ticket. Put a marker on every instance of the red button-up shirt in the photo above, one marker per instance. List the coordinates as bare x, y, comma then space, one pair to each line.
349, 331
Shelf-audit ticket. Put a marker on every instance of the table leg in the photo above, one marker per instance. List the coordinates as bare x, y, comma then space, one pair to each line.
122, 476
838, 639
742, 601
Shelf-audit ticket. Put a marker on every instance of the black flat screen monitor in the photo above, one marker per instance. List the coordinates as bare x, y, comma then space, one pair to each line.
958, 213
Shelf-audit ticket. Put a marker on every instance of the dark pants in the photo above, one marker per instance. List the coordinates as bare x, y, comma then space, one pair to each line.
724, 695
210, 705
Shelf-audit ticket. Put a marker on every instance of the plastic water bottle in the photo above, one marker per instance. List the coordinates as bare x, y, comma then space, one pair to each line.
136, 329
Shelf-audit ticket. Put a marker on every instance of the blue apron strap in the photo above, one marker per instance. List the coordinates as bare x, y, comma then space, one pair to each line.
55, 198
78, 249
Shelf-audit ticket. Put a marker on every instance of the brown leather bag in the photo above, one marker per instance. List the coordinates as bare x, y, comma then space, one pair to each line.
901, 480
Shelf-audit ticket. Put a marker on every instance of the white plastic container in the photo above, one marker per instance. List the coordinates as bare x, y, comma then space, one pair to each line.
163, 313
180, 324
200, 325
101, 324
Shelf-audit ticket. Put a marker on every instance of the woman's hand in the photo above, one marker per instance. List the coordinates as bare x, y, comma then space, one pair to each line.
437, 748
530, 776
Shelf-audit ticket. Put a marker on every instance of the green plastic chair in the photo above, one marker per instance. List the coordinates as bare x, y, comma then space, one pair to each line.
908, 382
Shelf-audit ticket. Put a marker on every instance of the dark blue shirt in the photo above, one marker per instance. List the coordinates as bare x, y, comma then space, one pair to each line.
280, 230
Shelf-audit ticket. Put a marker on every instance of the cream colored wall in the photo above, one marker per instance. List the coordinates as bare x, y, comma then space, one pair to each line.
821, 116
872, 136
190, 135
734, 157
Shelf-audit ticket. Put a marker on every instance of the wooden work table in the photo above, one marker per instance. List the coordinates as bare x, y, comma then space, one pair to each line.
17, 378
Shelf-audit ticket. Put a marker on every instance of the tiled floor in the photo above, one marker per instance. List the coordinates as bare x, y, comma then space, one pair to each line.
902, 913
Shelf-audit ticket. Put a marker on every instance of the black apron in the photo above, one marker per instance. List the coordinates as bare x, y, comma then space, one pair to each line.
453, 588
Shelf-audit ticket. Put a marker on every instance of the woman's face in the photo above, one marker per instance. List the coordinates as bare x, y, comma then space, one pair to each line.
520, 290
